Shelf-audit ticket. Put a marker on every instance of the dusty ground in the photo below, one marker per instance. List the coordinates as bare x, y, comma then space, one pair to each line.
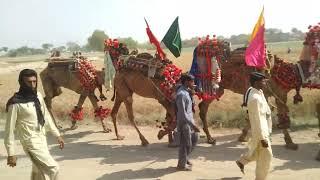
90, 154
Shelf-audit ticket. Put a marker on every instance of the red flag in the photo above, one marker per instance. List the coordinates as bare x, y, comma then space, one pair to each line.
153, 40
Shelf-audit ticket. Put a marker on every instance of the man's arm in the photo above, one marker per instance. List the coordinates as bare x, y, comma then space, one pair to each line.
10, 128
50, 124
9, 134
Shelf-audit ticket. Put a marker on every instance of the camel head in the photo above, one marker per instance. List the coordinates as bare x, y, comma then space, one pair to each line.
220, 49
311, 44
206, 66
115, 48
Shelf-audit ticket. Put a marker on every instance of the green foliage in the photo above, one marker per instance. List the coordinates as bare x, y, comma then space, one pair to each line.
96, 40
72, 46
129, 41
24, 50
60, 48
46, 46
5, 49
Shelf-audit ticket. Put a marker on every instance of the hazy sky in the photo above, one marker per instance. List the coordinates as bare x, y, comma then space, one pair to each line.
34, 22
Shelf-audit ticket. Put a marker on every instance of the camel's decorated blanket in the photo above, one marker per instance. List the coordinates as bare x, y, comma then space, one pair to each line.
154, 68
206, 69
85, 70
306, 72
166, 73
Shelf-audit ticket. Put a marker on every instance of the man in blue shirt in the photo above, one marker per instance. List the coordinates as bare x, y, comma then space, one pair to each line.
187, 130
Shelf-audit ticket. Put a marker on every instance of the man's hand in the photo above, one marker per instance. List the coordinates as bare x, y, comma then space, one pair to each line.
11, 161
61, 142
264, 143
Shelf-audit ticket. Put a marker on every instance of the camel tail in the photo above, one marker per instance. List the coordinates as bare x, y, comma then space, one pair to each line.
114, 94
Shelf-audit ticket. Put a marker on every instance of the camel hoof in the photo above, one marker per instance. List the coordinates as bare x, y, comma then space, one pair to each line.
107, 130
212, 141
120, 137
144, 143
161, 133
318, 157
292, 146
73, 127
173, 145
242, 138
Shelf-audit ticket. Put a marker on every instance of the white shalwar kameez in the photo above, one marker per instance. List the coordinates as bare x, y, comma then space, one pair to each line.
261, 127
22, 118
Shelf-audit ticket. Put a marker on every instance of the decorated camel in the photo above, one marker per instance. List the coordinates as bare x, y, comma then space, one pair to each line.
79, 75
284, 77
150, 77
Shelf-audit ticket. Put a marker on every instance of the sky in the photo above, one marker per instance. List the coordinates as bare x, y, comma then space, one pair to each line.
34, 22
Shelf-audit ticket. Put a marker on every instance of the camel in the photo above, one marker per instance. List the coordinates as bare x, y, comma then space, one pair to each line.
63, 73
283, 78
128, 81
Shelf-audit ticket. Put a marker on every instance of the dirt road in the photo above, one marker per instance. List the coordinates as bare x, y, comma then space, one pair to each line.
89, 154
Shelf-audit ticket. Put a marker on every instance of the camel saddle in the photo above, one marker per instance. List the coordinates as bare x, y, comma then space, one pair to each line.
69, 63
144, 63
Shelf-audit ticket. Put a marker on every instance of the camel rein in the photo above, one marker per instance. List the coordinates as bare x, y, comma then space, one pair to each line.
159, 90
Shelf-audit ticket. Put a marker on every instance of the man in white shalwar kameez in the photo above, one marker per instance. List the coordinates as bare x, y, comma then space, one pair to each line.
28, 116
259, 144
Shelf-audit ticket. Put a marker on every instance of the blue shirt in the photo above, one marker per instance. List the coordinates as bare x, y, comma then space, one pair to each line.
184, 108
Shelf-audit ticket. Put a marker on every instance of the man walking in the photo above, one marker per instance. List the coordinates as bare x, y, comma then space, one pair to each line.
186, 128
28, 115
260, 121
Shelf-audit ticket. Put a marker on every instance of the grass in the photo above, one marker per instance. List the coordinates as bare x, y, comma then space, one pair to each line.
223, 113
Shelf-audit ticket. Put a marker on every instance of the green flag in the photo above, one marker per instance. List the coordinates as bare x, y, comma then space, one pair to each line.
172, 39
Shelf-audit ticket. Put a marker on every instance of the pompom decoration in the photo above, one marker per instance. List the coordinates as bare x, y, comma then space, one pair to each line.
171, 75
76, 114
102, 113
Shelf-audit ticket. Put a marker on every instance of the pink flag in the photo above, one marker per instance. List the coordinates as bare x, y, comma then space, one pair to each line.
255, 52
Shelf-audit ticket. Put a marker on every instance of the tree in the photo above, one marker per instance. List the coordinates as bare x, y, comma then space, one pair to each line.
61, 48
72, 46
5, 49
131, 43
46, 46
96, 40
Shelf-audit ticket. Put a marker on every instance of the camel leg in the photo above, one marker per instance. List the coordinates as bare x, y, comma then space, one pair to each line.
51, 90
318, 156
114, 113
318, 116
81, 100
48, 101
94, 102
284, 121
170, 120
128, 102
203, 106
101, 96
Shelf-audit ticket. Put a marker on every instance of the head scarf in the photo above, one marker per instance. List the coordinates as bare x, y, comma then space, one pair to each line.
27, 94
